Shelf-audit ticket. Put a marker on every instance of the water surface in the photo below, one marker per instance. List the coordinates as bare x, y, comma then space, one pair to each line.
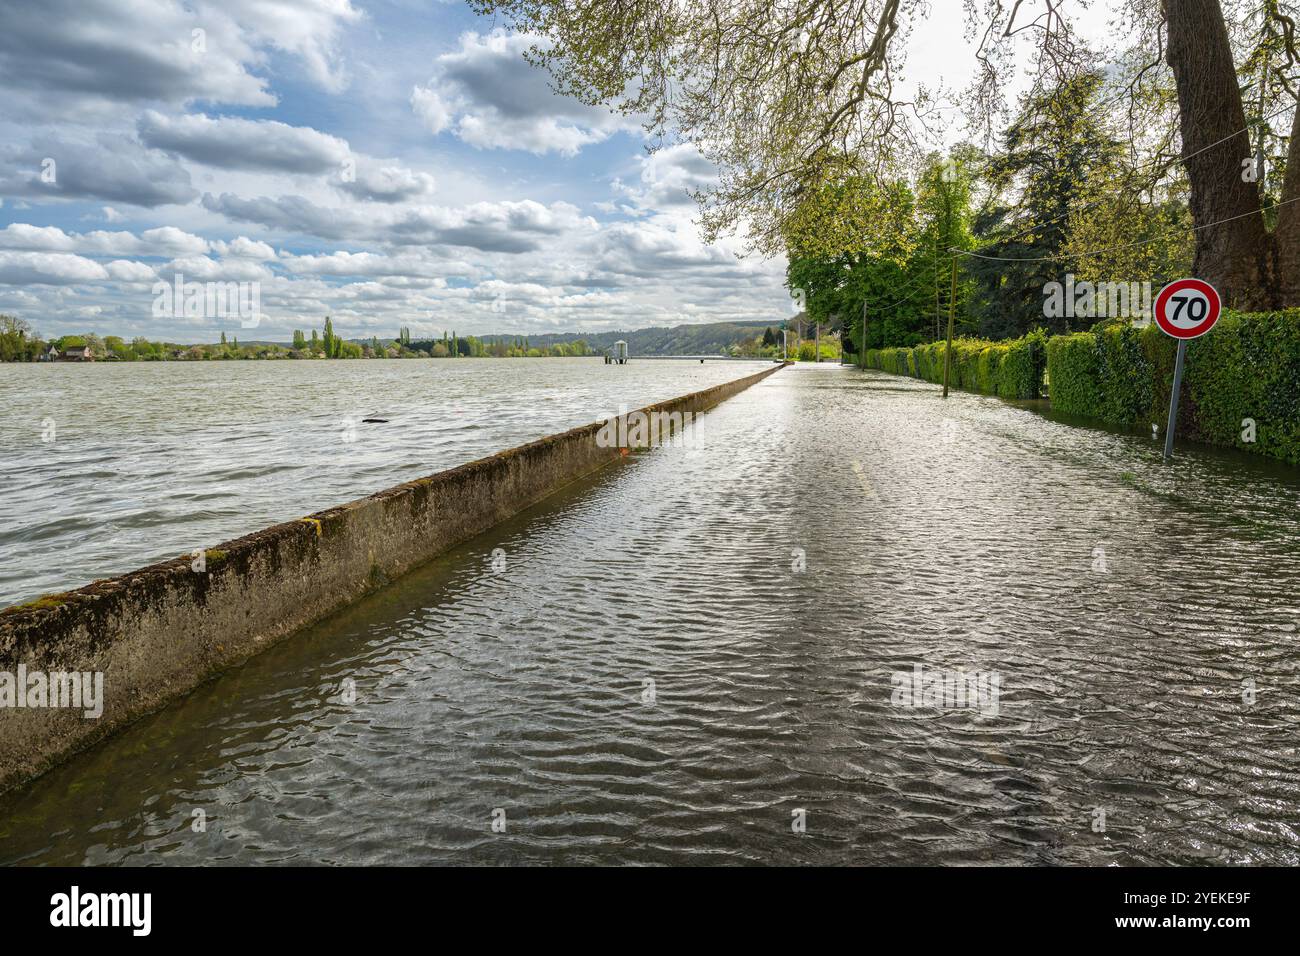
1123, 602
109, 467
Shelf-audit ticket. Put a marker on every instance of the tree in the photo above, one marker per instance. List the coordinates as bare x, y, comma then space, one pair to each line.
1251, 267
783, 98
1129, 234
1052, 151
17, 341
1211, 83
787, 98
769, 337
331, 343
852, 248
299, 341
943, 203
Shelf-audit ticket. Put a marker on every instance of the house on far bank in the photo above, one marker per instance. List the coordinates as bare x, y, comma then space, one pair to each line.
79, 353
52, 355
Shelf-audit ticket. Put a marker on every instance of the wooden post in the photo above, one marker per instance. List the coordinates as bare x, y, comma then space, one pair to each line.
952, 308
819, 341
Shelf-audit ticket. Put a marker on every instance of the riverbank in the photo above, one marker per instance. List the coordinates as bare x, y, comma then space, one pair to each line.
156, 633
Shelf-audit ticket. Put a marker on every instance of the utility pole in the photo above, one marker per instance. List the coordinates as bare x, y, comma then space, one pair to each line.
863, 350
952, 309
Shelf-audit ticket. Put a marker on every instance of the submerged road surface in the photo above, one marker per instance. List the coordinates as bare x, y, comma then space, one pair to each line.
746, 650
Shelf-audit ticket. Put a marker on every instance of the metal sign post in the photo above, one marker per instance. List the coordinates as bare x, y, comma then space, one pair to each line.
1184, 309
1173, 398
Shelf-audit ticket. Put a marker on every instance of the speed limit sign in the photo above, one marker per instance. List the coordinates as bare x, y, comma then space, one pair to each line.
1187, 308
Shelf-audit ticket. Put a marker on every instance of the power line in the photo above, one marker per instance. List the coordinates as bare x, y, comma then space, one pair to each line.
907, 298
918, 285
1136, 169
1090, 252
1127, 245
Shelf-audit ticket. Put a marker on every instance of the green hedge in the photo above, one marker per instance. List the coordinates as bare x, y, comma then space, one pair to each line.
1012, 369
1247, 367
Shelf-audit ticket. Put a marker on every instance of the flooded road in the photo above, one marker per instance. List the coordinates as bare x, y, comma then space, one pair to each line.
696, 657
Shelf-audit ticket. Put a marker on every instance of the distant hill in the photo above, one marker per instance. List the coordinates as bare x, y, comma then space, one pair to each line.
707, 339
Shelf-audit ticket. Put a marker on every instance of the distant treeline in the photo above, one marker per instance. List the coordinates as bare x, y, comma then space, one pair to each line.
18, 343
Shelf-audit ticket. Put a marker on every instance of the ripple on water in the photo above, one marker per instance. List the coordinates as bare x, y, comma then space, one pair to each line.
649, 679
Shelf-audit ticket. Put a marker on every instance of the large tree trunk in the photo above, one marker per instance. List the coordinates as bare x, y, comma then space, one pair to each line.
1287, 234
1236, 257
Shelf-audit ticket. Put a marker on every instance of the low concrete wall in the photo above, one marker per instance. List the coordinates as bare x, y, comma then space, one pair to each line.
159, 632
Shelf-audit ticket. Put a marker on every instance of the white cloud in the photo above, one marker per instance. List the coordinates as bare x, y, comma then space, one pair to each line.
371, 249
243, 248
510, 227
310, 29
205, 269
386, 182
48, 268
491, 97
162, 241
124, 270
21, 235
232, 143
364, 264
113, 166
668, 178
84, 55
167, 240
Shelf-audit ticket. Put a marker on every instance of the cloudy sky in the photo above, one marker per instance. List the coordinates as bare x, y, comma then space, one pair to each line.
386, 162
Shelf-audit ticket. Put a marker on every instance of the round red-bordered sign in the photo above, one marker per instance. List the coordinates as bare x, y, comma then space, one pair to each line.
1187, 308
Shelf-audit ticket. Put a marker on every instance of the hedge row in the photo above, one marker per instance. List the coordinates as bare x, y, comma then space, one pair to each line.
1011, 369
1245, 370
1241, 385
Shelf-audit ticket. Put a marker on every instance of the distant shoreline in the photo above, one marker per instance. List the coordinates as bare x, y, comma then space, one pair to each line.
19, 342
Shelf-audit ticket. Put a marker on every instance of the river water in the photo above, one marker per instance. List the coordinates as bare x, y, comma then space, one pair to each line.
110, 467
694, 657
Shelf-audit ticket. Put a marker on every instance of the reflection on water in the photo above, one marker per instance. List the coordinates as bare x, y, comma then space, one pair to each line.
146, 461
646, 675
